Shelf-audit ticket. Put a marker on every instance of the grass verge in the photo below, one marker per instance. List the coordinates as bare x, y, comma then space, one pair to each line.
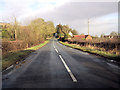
93, 51
38, 46
12, 57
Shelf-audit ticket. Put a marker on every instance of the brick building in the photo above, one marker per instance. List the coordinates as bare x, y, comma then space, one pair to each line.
86, 37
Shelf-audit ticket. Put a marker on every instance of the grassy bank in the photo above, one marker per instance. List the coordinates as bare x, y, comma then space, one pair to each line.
38, 46
93, 51
16, 56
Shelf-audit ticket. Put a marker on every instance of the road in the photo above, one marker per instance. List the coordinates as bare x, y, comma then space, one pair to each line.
58, 66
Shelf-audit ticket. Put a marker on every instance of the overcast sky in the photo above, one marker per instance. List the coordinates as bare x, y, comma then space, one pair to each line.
103, 16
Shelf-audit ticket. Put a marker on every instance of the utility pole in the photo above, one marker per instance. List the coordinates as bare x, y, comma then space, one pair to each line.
88, 26
15, 27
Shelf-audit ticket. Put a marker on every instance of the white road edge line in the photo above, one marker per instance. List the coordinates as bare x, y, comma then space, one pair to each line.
113, 66
8, 68
69, 71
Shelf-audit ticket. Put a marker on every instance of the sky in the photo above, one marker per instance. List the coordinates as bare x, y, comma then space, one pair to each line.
102, 14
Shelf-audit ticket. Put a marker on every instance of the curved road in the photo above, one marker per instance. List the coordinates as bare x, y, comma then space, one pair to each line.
58, 66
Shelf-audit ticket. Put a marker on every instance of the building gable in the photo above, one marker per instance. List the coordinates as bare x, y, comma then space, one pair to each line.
87, 37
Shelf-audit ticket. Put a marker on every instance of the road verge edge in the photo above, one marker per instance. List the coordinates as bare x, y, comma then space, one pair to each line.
103, 54
13, 58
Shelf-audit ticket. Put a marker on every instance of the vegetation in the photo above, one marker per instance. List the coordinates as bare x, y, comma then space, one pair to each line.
19, 41
38, 46
74, 32
113, 33
64, 30
16, 37
12, 57
94, 51
108, 46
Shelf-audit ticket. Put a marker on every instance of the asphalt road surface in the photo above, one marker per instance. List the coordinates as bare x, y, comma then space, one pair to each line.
58, 66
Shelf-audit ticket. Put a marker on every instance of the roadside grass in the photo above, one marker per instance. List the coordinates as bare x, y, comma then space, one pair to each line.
93, 51
38, 46
13, 58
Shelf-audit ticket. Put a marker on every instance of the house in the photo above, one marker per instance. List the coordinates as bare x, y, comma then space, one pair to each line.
86, 37
70, 34
109, 36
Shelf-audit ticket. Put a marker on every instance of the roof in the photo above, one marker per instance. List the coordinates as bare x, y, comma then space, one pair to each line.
81, 36
86, 36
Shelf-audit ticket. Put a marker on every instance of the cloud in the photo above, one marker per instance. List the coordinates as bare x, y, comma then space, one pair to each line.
25, 8
73, 13
103, 16
80, 10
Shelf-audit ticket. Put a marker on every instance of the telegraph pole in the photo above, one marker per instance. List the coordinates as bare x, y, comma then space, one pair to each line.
15, 27
88, 26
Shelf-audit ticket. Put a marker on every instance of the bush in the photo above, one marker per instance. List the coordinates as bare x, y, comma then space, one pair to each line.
107, 44
8, 46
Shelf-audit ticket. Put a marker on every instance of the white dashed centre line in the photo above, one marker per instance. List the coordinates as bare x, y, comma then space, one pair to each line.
56, 50
69, 71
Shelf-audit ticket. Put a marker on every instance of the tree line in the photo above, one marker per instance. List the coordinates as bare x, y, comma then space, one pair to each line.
37, 30
16, 36
64, 30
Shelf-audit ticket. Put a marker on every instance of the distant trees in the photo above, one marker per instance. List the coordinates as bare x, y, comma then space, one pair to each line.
102, 35
50, 29
63, 31
113, 33
10, 31
82, 34
37, 31
96, 36
74, 32
41, 30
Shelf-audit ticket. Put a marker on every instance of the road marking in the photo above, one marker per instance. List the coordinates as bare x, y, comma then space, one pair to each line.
8, 68
54, 46
69, 71
113, 65
56, 50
